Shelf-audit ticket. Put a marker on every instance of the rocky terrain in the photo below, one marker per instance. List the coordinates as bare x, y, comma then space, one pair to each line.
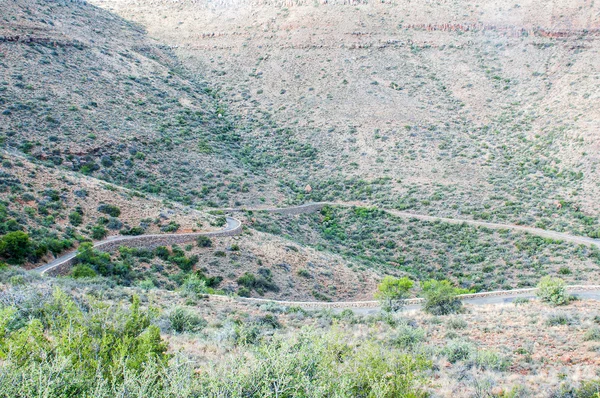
123, 118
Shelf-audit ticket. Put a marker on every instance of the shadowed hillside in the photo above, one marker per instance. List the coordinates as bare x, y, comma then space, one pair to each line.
83, 89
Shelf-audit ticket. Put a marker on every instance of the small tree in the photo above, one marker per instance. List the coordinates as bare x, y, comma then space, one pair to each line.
393, 292
14, 246
553, 291
441, 298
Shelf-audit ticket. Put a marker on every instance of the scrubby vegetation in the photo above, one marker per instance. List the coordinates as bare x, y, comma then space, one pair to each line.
108, 132
59, 345
474, 258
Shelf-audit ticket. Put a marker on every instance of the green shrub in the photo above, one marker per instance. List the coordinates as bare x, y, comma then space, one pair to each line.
559, 319
312, 362
204, 241
553, 291
99, 232
457, 350
441, 298
14, 246
565, 271
183, 321
304, 273
393, 292
99, 262
593, 334
456, 323
185, 263
146, 284
193, 285
407, 336
210, 281
172, 226
134, 231
258, 283
162, 252
59, 348
111, 210
75, 219
588, 389
82, 271
489, 360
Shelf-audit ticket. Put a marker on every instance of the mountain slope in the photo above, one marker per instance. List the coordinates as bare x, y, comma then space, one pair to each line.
486, 109
87, 90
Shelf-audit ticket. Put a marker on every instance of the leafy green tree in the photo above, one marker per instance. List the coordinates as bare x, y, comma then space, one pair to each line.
14, 246
441, 298
553, 291
393, 292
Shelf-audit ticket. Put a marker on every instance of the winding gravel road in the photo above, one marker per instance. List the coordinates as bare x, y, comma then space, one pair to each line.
232, 224
367, 307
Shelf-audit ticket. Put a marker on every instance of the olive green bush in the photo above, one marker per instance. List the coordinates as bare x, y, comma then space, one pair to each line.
315, 365
552, 291
85, 347
393, 292
14, 246
441, 298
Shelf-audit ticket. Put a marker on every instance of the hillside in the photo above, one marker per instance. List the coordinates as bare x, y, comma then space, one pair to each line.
87, 91
335, 198
486, 110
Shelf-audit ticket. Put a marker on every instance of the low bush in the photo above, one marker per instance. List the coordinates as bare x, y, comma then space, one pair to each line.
552, 291
82, 271
193, 285
183, 321
111, 210
441, 298
560, 319
407, 336
317, 364
593, 334
204, 241
258, 283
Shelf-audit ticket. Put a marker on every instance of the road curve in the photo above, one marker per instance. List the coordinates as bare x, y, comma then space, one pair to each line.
584, 240
589, 292
232, 225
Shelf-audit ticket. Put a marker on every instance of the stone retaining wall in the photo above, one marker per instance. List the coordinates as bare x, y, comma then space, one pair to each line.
62, 269
374, 304
145, 241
